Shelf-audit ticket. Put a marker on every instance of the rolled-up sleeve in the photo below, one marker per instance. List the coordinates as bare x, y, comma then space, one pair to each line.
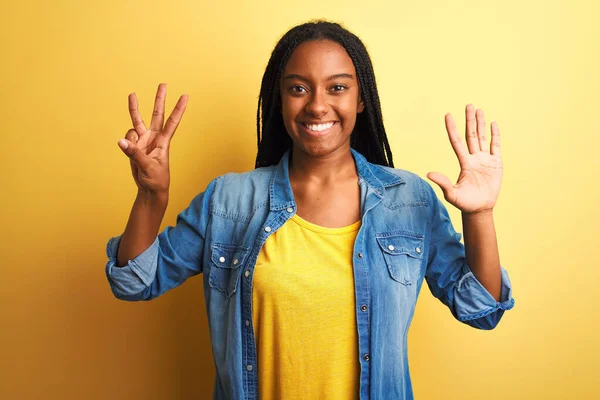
451, 280
174, 256
130, 281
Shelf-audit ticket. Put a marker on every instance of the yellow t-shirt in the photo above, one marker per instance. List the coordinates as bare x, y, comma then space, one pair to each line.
304, 313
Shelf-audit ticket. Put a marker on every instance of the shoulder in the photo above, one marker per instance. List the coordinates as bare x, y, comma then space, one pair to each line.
412, 190
244, 181
407, 176
239, 195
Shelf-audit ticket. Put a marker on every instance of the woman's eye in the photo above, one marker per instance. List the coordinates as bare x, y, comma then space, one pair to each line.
338, 88
297, 89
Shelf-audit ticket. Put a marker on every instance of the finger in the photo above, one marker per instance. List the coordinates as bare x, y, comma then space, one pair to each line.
481, 130
455, 140
134, 153
471, 130
495, 145
175, 118
132, 136
158, 114
444, 183
136, 117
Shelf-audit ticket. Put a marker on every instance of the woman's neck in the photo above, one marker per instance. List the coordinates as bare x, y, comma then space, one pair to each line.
327, 169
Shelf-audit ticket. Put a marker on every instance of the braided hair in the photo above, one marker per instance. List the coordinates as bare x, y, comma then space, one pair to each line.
368, 136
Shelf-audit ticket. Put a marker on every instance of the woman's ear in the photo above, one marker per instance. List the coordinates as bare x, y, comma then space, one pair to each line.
361, 106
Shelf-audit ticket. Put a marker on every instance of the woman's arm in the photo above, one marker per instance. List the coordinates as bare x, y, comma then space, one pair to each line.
481, 250
142, 227
475, 194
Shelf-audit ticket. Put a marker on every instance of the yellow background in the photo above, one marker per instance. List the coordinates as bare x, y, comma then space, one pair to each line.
66, 70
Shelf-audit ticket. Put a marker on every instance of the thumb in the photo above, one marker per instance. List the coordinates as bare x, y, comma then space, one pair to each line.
443, 182
132, 151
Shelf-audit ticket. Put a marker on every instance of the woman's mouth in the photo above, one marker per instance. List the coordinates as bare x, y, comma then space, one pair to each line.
318, 129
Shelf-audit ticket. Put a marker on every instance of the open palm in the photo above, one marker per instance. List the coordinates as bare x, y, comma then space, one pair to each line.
478, 184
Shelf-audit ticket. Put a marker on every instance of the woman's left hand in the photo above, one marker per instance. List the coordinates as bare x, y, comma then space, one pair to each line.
480, 176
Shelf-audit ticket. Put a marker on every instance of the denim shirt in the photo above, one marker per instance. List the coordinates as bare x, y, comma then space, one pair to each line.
406, 237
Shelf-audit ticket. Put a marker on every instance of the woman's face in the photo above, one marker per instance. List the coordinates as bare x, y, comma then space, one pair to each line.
320, 98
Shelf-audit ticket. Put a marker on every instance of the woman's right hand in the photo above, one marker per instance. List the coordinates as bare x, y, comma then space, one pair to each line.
148, 149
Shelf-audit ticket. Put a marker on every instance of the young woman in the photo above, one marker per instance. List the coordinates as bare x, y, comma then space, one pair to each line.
314, 260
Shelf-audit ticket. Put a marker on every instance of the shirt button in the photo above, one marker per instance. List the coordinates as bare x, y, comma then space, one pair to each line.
222, 259
249, 367
247, 273
236, 261
366, 357
391, 247
418, 250
247, 323
290, 210
360, 255
363, 307
268, 229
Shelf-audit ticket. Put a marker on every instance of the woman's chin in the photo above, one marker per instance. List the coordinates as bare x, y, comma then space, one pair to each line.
320, 150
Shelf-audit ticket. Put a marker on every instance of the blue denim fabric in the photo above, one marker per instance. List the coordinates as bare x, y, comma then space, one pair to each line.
406, 236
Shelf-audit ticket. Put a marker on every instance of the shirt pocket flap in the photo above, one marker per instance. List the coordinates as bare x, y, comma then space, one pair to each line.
402, 244
228, 256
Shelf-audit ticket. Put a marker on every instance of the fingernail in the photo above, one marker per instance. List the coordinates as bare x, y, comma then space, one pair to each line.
123, 144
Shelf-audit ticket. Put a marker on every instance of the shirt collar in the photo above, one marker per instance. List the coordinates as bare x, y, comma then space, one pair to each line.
280, 189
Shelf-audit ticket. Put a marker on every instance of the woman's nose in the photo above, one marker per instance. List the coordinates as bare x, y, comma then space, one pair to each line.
317, 104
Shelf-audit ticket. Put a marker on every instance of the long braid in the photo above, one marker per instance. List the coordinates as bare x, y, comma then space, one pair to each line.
368, 138
374, 124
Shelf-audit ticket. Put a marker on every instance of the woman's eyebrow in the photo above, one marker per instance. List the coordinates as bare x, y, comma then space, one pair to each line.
339, 76
330, 78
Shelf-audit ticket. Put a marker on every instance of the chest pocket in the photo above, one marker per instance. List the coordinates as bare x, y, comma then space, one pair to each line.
403, 254
226, 267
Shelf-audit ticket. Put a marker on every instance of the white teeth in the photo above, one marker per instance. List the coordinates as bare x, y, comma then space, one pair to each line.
319, 127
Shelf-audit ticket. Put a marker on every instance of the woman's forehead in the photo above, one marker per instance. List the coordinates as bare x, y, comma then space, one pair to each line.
319, 59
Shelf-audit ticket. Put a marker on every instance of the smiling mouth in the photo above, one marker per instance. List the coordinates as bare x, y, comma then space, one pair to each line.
318, 129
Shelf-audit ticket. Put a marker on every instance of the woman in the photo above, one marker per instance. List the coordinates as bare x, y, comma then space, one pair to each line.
314, 260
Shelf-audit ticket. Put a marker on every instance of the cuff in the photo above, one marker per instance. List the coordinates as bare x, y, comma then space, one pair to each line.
473, 301
137, 275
